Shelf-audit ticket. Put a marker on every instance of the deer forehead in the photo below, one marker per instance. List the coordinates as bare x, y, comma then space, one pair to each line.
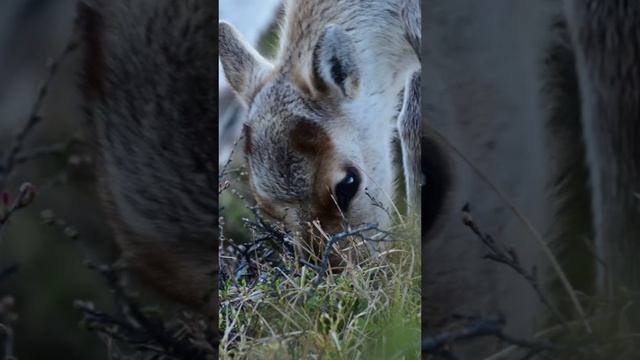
285, 96
293, 144
293, 166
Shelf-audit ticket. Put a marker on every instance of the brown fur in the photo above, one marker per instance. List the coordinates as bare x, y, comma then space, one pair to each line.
313, 115
148, 78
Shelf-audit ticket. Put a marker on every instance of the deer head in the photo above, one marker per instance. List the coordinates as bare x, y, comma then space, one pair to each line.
309, 154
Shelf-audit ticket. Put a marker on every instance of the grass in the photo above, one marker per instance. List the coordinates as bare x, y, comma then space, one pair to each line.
274, 304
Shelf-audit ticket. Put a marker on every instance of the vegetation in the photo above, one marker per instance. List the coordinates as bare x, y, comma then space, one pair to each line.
276, 304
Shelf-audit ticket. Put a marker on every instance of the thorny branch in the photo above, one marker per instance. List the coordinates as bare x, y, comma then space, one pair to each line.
132, 325
7, 317
35, 116
8, 160
509, 257
223, 171
14, 156
272, 241
487, 327
493, 327
328, 249
273, 244
7, 208
378, 204
545, 248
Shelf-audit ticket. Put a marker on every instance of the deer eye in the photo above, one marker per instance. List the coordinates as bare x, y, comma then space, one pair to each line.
347, 188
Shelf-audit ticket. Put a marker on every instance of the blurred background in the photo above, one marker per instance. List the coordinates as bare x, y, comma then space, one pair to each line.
50, 272
41, 261
44, 266
258, 22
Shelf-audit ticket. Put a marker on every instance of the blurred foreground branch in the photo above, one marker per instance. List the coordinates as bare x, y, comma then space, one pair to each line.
7, 317
509, 257
479, 328
143, 329
35, 116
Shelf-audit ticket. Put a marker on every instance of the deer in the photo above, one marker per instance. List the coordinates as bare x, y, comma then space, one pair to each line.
318, 134
334, 87
322, 114
521, 97
149, 97
320, 121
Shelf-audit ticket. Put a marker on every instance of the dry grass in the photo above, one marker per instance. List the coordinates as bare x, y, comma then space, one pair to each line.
603, 326
278, 304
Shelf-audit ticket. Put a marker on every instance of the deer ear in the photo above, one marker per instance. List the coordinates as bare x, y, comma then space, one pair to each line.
334, 63
243, 66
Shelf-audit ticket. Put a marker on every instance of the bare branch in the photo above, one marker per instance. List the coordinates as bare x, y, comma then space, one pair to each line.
7, 317
132, 324
480, 328
24, 198
536, 234
509, 257
35, 116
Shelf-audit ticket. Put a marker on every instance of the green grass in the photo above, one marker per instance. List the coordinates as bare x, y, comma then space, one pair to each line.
370, 310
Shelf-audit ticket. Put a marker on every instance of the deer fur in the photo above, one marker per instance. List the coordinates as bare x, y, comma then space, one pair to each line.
327, 102
606, 39
149, 85
495, 94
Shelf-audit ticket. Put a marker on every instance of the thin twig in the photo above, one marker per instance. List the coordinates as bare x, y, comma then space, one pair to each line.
328, 248
488, 327
35, 115
6, 334
25, 197
510, 258
547, 251
223, 171
131, 324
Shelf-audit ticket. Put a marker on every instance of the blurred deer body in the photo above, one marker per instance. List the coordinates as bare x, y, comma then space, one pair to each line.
149, 86
492, 93
606, 39
321, 115
319, 131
